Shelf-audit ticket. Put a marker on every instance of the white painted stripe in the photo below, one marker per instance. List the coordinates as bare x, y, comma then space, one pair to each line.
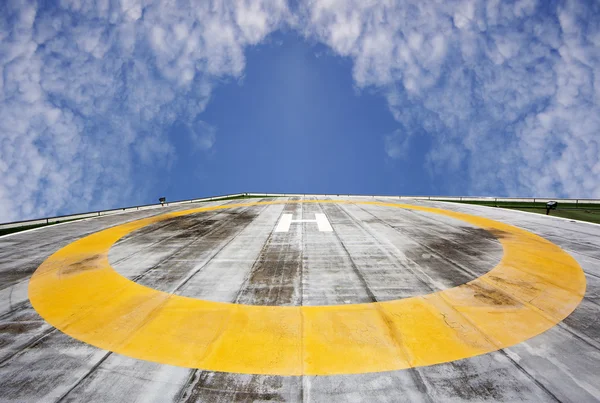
284, 223
286, 220
323, 223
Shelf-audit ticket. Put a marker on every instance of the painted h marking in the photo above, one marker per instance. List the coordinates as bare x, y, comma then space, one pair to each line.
286, 220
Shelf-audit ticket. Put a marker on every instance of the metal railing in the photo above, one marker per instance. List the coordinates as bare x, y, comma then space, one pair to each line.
69, 217
99, 213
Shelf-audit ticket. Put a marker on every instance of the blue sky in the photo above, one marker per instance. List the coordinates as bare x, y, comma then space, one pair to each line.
112, 103
293, 123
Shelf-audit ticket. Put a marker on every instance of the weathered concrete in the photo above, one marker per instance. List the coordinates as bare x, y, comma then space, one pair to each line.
234, 255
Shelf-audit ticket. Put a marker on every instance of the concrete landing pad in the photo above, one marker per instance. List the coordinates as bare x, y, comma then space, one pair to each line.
299, 299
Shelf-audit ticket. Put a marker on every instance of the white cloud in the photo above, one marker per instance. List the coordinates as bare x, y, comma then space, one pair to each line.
396, 144
87, 87
202, 135
510, 96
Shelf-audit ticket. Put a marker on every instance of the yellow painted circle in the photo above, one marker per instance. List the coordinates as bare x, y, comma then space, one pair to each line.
535, 286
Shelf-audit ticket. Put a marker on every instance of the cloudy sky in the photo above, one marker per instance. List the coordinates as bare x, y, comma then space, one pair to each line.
110, 103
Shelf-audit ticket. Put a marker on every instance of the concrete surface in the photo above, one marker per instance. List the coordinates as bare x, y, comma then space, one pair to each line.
234, 255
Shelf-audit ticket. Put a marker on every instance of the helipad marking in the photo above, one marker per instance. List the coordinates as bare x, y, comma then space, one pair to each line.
320, 219
534, 287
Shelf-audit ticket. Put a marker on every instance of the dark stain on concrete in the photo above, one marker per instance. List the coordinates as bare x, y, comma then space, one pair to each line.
188, 227
275, 277
18, 326
470, 242
167, 228
585, 319
39, 371
10, 278
272, 279
469, 384
194, 227
15, 328
211, 233
217, 387
475, 249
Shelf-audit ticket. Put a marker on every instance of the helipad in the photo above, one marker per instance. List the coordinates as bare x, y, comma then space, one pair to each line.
302, 299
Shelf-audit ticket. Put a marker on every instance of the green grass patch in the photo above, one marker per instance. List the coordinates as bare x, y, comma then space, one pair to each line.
6, 231
582, 211
581, 214
510, 204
